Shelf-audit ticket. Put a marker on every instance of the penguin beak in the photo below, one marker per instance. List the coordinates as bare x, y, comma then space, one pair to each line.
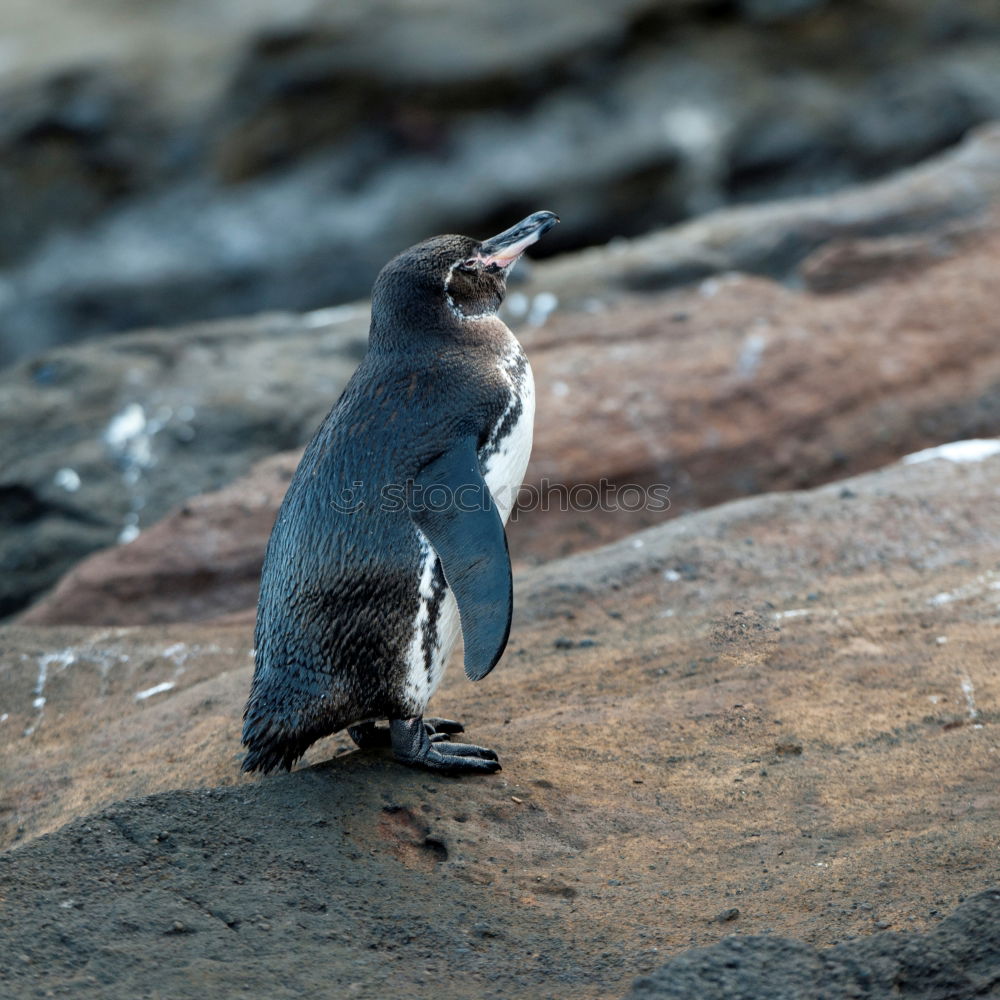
503, 250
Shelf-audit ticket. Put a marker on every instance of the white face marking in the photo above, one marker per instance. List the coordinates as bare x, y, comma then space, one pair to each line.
454, 306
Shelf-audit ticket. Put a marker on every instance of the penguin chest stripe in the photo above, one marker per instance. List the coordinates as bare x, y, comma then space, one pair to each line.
504, 457
430, 637
433, 629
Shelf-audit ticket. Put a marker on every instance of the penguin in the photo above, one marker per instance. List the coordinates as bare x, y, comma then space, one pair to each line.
390, 538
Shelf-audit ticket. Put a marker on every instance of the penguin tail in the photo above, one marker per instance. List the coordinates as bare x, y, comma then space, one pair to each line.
266, 761
284, 716
276, 740
272, 747
268, 757
271, 744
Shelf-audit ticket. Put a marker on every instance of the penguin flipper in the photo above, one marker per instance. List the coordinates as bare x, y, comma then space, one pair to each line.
453, 507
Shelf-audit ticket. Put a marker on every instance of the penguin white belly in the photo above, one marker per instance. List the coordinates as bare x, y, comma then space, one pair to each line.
504, 459
509, 446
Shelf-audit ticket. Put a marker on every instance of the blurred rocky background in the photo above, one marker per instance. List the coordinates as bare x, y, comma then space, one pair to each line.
766, 710
183, 159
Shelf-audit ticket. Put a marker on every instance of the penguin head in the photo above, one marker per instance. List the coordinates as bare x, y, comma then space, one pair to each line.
476, 282
455, 278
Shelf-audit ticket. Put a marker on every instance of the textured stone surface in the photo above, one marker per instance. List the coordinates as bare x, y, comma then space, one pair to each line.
774, 717
107, 437
736, 387
201, 561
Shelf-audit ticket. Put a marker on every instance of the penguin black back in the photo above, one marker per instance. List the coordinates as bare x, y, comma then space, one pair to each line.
365, 579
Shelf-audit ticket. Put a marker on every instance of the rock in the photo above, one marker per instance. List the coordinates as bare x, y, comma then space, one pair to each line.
736, 387
650, 793
743, 385
846, 263
951, 192
223, 158
202, 561
959, 957
256, 386
103, 440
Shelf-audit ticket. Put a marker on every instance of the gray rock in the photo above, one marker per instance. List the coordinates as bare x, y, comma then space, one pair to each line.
228, 158
953, 191
738, 386
103, 439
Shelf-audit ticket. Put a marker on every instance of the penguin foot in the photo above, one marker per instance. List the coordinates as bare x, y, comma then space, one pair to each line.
369, 736
412, 745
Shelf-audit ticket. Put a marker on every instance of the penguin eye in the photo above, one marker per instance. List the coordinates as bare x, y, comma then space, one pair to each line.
469, 265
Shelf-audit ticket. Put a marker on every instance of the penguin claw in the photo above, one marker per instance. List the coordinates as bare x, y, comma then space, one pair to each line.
412, 746
449, 763
469, 750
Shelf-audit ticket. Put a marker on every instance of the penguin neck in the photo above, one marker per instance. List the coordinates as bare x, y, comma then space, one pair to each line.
445, 333
400, 324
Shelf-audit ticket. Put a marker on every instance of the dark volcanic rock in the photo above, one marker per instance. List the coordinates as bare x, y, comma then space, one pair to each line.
959, 958
292, 889
200, 160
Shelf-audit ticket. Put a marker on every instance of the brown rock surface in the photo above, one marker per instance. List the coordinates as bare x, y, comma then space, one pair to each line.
735, 387
207, 556
847, 263
784, 706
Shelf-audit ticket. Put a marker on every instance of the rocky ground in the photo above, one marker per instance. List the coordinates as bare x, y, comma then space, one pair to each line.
960, 957
772, 717
177, 160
